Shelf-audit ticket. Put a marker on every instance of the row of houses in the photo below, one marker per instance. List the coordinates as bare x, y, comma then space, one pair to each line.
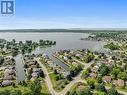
7, 76
32, 66
9, 60
55, 67
70, 53
118, 82
67, 57
106, 78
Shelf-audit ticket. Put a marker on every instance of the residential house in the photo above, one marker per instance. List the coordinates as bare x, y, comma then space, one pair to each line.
93, 75
8, 72
95, 69
119, 82
66, 73
8, 77
6, 83
107, 79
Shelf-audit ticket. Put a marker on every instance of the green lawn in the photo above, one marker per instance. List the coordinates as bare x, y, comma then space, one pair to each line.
53, 77
122, 89
24, 89
118, 88
58, 85
46, 65
98, 93
18, 87
75, 86
45, 90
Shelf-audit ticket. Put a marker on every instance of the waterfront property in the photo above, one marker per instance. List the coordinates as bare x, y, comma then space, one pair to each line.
34, 63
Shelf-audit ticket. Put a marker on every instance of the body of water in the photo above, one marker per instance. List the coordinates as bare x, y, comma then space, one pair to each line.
63, 41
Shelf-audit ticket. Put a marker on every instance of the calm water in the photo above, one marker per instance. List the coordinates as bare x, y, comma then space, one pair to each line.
63, 41
20, 73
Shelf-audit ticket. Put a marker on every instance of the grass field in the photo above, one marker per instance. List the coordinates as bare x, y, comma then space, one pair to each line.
58, 85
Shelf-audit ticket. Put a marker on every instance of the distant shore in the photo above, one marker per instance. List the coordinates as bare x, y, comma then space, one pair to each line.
60, 30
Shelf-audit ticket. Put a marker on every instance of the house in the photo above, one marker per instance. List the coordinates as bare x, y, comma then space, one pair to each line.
66, 51
69, 57
6, 83
99, 64
10, 67
56, 53
29, 57
36, 69
93, 75
34, 75
9, 60
53, 65
78, 55
8, 72
33, 66
8, 57
33, 79
119, 82
107, 79
45, 56
95, 69
65, 58
66, 74
32, 63
9, 77
50, 62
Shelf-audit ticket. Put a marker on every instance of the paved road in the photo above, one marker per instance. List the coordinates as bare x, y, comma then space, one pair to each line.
49, 83
47, 78
68, 87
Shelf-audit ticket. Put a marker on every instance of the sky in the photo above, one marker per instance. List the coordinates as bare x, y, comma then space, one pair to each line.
43, 14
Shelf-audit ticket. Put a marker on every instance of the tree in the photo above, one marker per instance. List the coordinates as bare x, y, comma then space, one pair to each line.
35, 87
68, 93
55, 71
14, 51
89, 57
100, 87
90, 81
41, 73
1, 60
6, 92
115, 72
99, 79
103, 69
1, 46
112, 91
122, 75
13, 40
16, 92
83, 91
23, 51
69, 77
54, 43
85, 74
112, 46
